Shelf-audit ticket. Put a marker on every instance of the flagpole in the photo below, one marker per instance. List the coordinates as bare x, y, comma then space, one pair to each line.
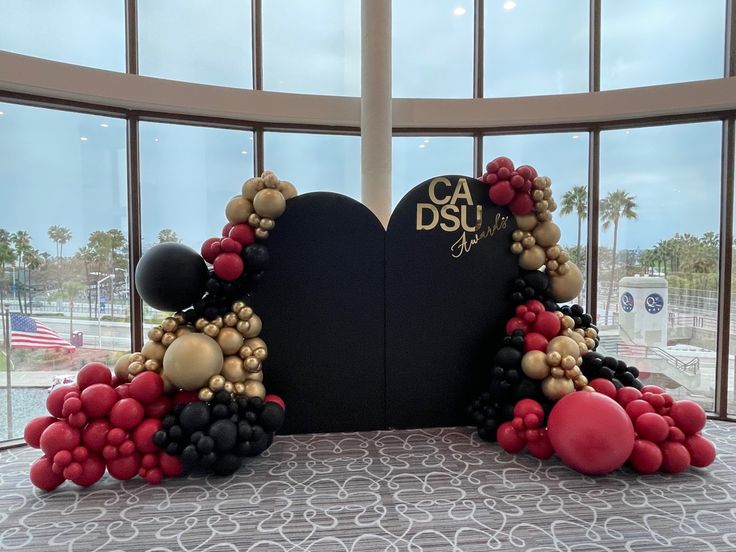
8, 388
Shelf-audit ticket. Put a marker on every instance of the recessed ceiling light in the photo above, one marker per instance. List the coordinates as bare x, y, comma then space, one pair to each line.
509, 5
83, 138
459, 11
104, 125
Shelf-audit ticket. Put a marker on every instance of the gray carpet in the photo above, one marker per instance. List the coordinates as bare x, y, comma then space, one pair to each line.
436, 489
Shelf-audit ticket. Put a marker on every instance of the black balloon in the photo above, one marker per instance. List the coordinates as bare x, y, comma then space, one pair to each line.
255, 257
171, 276
272, 416
224, 434
195, 416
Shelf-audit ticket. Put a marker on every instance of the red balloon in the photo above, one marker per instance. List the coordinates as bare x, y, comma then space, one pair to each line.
124, 467
527, 171
528, 406
627, 394
185, 397
73, 470
275, 398
55, 400
535, 306
63, 458
92, 469
522, 204
675, 457
590, 432
59, 436
126, 414
143, 435
146, 387
149, 461
689, 416
226, 229
490, 178
94, 372
504, 172
509, 439
154, 476
158, 408
676, 434
702, 452
534, 341
602, 385
517, 181
123, 390
71, 405
541, 448
207, 253
78, 419
228, 266
94, 435
229, 245
98, 399
243, 234
34, 429
638, 407
116, 436
171, 465
547, 324
43, 477
656, 389
514, 324
501, 193
646, 457
652, 427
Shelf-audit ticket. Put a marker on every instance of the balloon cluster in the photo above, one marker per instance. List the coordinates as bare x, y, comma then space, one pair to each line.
548, 364
101, 423
217, 435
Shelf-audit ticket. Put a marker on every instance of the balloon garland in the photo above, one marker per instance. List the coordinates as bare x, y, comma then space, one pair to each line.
192, 400
598, 414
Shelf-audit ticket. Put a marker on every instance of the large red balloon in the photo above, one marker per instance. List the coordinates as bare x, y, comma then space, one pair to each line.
143, 435
126, 414
124, 467
94, 372
42, 475
702, 452
55, 400
98, 399
146, 387
34, 429
689, 416
590, 432
94, 435
59, 436
92, 469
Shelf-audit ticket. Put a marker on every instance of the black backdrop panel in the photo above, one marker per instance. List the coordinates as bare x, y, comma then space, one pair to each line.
322, 305
446, 299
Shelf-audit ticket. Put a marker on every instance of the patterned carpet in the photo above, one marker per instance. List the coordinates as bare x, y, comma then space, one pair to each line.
436, 489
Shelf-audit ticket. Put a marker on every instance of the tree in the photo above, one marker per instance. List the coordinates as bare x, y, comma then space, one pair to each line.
168, 235
22, 242
109, 250
614, 206
59, 235
7, 257
70, 290
575, 200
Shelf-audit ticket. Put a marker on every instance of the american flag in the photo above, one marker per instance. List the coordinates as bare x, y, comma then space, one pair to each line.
26, 333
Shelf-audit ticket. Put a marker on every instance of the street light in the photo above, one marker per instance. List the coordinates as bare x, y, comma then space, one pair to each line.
99, 323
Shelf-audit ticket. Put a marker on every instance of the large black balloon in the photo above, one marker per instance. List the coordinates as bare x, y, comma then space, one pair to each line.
171, 276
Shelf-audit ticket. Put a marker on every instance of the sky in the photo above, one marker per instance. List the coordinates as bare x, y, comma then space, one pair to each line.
69, 169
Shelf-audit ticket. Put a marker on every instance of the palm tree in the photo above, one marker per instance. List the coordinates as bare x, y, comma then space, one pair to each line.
168, 235
69, 291
22, 242
59, 235
576, 200
7, 256
615, 205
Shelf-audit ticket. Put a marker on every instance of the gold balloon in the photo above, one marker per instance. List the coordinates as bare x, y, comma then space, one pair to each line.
254, 376
532, 258
565, 287
517, 248
547, 234
243, 326
183, 330
201, 323
232, 368
517, 235
534, 365
564, 257
230, 319
544, 216
218, 322
269, 203
567, 322
528, 242
152, 365
169, 325
538, 183
254, 389
228, 387
261, 354
568, 362
556, 372
552, 266
138, 357
180, 319
252, 364
255, 326
538, 195
554, 358
154, 334
251, 187
238, 210
245, 351
563, 269
153, 350
121, 367
239, 389
541, 206
564, 345
589, 343
254, 220
245, 313
287, 189
526, 222
216, 382
135, 368
205, 394
547, 193
556, 388
553, 252
192, 360
261, 234
168, 386
267, 224
270, 180
211, 330
237, 305
230, 340
168, 338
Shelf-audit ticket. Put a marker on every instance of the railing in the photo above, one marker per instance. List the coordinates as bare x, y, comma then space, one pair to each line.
636, 350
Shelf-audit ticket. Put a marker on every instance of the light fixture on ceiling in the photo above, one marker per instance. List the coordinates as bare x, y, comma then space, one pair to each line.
104, 125
83, 138
509, 5
459, 11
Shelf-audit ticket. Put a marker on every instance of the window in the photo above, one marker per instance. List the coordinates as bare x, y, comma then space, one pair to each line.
564, 158
535, 48
419, 158
63, 245
661, 41
432, 49
312, 47
187, 40
83, 32
315, 162
658, 254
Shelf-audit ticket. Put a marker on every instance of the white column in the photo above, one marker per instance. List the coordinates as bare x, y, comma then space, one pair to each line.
375, 114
